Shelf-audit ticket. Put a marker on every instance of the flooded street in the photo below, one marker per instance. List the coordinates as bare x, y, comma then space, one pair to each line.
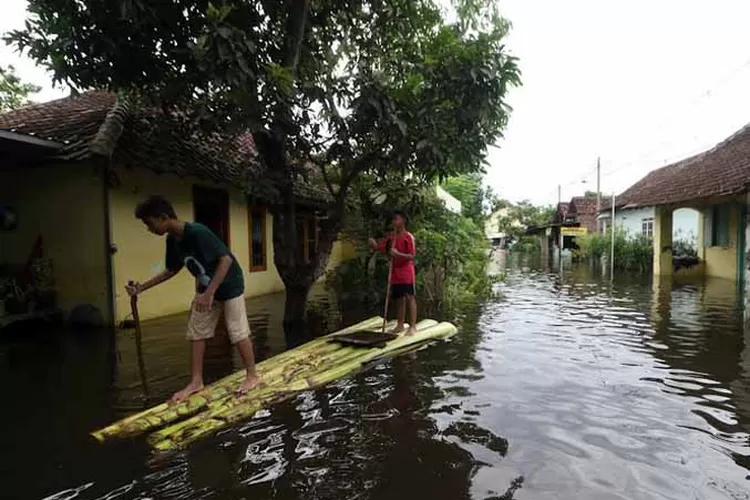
565, 386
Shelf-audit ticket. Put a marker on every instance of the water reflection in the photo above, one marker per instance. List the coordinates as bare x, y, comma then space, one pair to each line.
567, 386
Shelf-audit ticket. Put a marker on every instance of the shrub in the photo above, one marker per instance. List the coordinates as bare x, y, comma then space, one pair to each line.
631, 253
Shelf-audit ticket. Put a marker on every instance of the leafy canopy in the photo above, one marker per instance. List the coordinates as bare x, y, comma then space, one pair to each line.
14, 93
357, 86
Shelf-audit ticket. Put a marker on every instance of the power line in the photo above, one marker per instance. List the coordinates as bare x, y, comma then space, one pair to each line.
707, 93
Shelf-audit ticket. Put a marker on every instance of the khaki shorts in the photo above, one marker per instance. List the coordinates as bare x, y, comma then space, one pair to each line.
202, 324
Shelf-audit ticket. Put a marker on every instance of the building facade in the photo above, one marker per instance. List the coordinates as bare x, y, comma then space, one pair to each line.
75, 207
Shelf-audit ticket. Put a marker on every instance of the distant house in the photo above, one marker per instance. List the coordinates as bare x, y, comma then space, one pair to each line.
713, 183
582, 211
72, 172
494, 235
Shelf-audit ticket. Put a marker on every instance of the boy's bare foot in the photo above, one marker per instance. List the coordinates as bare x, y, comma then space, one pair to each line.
398, 330
250, 383
189, 390
411, 331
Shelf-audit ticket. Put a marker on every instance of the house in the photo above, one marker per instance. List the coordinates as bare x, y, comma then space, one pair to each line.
583, 211
492, 231
715, 185
571, 219
72, 172
640, 221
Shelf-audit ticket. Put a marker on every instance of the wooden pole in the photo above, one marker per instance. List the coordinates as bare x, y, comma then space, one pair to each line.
387, 293
598, 192
560, 236
138, 341
612, 252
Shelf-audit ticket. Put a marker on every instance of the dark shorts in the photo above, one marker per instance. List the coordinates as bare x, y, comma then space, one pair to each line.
399, 291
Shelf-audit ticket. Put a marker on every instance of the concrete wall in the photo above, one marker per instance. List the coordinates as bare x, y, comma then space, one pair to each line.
684, 222
721, 261
141, 254
65, 205
452, 204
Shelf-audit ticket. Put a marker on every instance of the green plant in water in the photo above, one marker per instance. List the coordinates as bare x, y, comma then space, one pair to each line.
631, 253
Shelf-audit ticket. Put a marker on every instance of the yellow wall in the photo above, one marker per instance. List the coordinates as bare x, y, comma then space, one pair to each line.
340, 252
65, 205
141, 254
721, 262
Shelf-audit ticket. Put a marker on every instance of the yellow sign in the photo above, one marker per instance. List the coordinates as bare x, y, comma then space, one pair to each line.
574, 231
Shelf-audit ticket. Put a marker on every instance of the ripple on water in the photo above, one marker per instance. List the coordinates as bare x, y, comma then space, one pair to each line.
566, 387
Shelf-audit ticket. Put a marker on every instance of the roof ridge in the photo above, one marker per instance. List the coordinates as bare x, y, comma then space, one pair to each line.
111, 129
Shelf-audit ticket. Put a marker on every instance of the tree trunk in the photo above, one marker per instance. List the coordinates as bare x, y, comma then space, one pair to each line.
298, 274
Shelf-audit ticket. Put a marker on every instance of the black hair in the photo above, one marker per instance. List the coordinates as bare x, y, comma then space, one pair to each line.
400, 213
155, 206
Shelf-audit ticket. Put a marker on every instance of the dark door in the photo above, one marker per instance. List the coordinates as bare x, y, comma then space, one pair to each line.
211, 208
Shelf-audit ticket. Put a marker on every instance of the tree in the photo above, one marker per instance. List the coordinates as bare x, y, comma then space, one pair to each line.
468, 190
522, 215
380, 87
14, 93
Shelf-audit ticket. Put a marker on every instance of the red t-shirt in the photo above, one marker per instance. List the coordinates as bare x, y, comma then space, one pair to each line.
403, 269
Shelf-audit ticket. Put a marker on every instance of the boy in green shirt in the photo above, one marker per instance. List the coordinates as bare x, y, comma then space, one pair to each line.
220, 287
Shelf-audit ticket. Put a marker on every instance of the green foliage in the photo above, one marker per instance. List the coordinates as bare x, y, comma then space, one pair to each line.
382, 88
359, 86
684, 248
452, 252
469, 191
517, 217
527, 244
685, 244
631, 253
14, 93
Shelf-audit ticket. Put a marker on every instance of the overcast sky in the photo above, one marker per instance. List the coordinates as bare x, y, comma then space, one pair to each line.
639, 82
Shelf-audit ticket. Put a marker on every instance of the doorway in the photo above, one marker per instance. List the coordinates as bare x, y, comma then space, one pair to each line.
211, 208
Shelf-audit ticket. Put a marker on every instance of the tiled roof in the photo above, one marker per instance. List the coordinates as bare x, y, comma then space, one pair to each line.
97, 123
73, 121
721, 171
584, 207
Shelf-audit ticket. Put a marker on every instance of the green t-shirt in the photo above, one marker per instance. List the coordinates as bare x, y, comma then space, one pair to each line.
200, 250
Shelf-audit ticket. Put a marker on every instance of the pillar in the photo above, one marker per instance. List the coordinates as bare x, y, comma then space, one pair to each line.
662, 241
744, 264
701, 238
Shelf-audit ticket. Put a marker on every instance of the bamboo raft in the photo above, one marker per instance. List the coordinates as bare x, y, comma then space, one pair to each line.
172, 427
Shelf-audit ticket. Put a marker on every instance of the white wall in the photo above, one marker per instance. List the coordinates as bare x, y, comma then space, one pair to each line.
684, 222
450, 202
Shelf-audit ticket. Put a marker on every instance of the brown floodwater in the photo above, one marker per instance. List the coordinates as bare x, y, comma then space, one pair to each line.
566, 386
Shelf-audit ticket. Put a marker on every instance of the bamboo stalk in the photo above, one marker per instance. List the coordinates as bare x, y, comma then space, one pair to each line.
349, 360
268, 370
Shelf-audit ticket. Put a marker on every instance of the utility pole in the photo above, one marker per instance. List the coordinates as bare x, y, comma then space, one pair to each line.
612, 249
598, 193
562, 221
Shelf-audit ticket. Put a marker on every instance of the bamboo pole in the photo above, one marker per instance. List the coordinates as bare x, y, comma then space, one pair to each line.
138, 340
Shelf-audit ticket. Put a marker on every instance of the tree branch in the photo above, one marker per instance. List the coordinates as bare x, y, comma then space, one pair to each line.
327, 180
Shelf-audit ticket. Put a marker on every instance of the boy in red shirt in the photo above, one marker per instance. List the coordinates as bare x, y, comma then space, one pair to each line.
403, 277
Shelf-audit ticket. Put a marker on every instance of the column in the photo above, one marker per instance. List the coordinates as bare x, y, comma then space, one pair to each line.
662, 241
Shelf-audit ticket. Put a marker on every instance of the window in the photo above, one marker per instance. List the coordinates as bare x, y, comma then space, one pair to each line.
308, 233
647, 227
257, 228
311, 239
720, 225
